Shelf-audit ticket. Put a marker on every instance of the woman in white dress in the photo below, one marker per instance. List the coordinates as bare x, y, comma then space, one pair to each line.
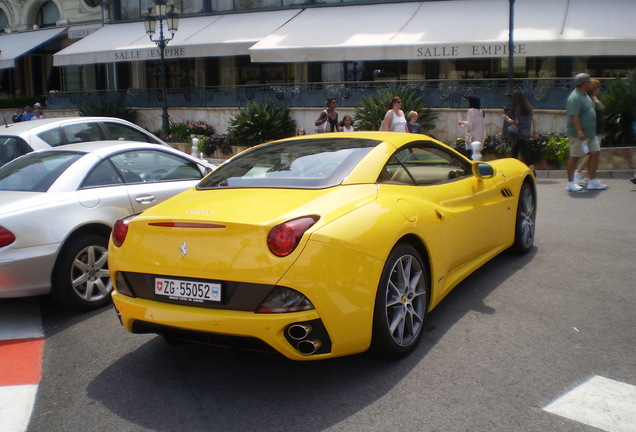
394, 119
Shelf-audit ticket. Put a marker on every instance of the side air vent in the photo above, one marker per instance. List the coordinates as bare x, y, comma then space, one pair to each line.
507, 192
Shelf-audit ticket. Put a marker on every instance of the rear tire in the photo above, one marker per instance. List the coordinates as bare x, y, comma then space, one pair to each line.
81, 279
400, 304
525, 221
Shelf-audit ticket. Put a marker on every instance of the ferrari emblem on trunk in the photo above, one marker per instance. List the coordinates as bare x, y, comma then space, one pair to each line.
184, 249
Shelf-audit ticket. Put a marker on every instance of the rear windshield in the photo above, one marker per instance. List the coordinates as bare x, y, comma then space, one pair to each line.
302, 163
36, 172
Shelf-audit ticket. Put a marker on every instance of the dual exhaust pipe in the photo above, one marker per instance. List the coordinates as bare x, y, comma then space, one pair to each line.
301, 333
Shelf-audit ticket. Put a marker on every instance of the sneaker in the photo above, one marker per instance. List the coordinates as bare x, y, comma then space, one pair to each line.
633, 180
579, 179
595, 184
573, 187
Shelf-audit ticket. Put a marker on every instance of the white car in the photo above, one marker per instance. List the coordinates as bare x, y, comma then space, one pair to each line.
59, 205
17, 139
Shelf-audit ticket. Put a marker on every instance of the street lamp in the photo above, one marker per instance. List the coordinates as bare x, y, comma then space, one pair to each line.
511, 45
166, 16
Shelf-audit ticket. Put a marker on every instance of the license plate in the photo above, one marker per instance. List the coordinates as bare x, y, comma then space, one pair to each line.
193, 291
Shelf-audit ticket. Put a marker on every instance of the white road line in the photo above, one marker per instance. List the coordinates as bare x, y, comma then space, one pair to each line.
599, 402
16, 404
20, 320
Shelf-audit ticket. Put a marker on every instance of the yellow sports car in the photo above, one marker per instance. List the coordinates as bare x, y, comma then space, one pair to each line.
319, 246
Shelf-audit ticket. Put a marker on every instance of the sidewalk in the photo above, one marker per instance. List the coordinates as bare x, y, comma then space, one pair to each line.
601, 174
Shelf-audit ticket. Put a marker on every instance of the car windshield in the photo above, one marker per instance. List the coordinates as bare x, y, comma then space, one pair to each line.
36, 172
302, 163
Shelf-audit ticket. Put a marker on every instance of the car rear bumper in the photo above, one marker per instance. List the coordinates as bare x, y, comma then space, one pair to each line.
227, 327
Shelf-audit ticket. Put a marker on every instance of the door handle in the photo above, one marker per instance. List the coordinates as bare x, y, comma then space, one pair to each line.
145, 199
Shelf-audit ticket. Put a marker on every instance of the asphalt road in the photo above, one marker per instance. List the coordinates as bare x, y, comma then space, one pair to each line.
509, 340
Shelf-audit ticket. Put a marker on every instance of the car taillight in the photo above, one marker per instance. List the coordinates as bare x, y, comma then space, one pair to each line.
283, 238
120, 230
6, 237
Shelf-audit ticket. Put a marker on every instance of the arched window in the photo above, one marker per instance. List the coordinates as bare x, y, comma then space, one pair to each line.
4, 21
47, 15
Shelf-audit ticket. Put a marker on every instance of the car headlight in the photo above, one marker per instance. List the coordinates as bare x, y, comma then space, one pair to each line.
282, 300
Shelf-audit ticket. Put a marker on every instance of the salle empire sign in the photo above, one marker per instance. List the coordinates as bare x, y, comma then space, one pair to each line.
149, 54
464, 51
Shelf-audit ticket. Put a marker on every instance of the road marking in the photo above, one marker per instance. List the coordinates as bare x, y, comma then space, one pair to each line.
21, 361
599, 402
16, 404
21, 346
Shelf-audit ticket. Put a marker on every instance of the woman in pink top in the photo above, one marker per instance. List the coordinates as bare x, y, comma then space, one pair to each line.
475, 124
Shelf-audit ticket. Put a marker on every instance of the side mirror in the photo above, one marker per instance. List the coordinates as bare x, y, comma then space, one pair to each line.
483, 170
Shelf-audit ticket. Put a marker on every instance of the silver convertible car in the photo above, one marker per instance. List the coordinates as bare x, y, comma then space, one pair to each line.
58, 206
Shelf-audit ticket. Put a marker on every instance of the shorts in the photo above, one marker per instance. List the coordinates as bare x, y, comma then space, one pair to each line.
580, 148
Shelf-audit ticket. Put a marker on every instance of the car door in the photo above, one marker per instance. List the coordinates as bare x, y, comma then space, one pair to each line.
104, 190
467, 208
152, 176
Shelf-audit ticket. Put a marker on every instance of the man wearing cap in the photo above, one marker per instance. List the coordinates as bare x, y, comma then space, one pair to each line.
581, 132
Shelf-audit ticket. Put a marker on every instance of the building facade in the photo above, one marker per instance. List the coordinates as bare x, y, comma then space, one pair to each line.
227, 53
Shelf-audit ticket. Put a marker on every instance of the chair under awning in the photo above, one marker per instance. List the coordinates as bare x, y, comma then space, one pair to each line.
453, 30
16, 45
202, 36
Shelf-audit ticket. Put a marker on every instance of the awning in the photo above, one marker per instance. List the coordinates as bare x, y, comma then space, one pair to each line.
15, 45
204, 36
453, 30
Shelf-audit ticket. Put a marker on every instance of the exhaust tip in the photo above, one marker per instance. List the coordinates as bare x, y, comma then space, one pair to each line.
299, 331
308, 346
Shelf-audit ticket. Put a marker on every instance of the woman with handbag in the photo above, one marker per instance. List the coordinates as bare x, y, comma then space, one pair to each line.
328, 119
522, 126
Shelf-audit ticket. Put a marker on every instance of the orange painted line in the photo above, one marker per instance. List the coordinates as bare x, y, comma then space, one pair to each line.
21, 361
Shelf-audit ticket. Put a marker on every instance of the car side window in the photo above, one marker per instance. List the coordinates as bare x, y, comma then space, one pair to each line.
52, 137
103, 174
123, 132
82, 132
12, 148
424, 164
155, 166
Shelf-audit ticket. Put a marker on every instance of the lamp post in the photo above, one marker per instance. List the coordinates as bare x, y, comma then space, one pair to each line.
511, 45
166, 16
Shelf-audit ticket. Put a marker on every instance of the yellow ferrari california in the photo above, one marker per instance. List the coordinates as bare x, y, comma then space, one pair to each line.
319, 246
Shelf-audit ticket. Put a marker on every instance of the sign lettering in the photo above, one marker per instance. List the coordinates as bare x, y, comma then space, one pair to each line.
455, 51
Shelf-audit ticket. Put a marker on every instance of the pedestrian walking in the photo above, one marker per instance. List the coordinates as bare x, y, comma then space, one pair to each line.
394, 119
412, 124
328, 119
17, 116
599, 109
522, 127
475, 124
581, 132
